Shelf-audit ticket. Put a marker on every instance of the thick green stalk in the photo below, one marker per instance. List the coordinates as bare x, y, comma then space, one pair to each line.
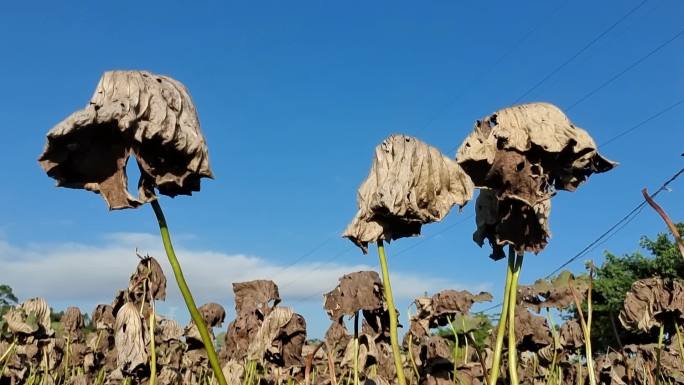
153, 353
658, 354
515, 264
187, 296
394, 338
501, 330
679, 342
66, 358
356, 348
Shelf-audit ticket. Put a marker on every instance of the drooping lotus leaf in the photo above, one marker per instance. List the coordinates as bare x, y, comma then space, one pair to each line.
169, 330
520, 156
410, 184
361, 290
532, 332
444, 307
103, 317
148, 280
280, 339
554, 293
138, 113
652, 302
72, 321
571, 336
259, 295
254, 300
129, 339
213, 314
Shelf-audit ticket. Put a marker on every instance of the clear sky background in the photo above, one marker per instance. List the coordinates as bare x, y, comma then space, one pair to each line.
293, 97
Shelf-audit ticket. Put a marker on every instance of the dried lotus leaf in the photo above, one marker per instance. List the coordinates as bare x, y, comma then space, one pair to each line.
361, 290
129, 339
520, 156
410, 184
148, 116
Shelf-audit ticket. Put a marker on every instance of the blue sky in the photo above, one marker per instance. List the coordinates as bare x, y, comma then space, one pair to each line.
293, 97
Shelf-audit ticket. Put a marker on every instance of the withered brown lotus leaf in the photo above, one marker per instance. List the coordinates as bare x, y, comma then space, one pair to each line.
258, 295
72, 320
368, 352
520, 156
233, 372
651, 302
280, 338
103, 317
18, 322
137, 113
38, 307
129, 339
452, 302
410, 184
169, 330
148, 280
213, 314
532, 332
571, 336
361, 290
445, 306
337, 336
554, 293
241, 331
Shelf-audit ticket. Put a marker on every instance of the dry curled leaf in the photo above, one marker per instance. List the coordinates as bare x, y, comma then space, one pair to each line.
571, 336
519, 156
410, 184
169, 330
72, 321
532, 332
129, 339
554, 293
357, 291
444, 307
652, 302
258, 295
280, 338
213, 314
148, 282
138, 113
103, 317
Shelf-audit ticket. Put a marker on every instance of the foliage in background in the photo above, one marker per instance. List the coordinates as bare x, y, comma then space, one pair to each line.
615, 277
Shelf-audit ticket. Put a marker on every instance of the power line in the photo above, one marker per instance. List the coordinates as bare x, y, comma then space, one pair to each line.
627, 69
301, 258
624, 219
433, 235
656, 115
581, 51
619, 225
491, 67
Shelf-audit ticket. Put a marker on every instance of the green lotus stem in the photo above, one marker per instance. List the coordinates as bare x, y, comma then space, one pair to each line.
679, 342
153, 353
501, 329
465, 356
394, 339
356, 348
66, 358
515, 264
660, 349
187, 296
6, 356
586, 331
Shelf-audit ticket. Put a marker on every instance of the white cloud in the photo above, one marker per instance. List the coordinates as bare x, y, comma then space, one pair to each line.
78, 273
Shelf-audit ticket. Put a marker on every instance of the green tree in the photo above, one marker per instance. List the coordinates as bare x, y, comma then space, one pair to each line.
616, 276
7, 299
